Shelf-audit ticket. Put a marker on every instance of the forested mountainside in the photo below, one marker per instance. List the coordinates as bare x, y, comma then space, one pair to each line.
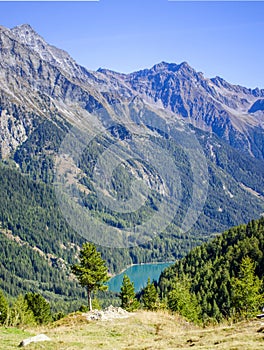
212, 269
29, 212
45, 95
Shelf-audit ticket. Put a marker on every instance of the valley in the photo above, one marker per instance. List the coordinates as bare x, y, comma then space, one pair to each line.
147, 165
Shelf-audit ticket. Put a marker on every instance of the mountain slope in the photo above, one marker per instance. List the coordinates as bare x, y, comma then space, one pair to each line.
208, 130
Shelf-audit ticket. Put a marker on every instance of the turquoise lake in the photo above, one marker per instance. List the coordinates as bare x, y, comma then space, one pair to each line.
138, 274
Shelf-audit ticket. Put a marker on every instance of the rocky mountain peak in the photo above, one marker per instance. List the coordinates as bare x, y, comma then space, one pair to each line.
26, 29
172, 67
26, 35
163, 66
164, 70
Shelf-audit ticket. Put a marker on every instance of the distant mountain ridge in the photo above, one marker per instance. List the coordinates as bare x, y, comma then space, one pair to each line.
209, 104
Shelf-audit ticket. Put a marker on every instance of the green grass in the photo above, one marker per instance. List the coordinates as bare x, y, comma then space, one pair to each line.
142, 331
11, 337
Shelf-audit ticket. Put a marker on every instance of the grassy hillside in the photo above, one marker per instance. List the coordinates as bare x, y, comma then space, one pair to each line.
141, 331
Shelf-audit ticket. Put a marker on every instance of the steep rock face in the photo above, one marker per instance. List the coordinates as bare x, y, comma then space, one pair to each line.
56, 57
17, 120
15, 135
32, 89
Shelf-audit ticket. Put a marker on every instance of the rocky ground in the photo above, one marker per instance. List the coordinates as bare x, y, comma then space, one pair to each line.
107, 314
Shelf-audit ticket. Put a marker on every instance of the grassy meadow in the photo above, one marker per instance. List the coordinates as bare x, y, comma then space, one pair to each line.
141, 331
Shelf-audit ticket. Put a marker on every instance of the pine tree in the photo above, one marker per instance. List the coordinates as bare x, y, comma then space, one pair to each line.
20, 314
3, 307
39, 306
150, 296
181, 300
246, 290
128, 296
92, 271
216, 314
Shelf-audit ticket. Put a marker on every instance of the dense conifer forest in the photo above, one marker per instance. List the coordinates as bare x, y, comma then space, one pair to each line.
223, 278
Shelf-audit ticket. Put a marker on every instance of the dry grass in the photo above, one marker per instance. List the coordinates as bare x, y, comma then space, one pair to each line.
142, 331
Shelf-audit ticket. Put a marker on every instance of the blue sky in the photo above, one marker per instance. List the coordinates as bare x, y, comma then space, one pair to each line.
217, 38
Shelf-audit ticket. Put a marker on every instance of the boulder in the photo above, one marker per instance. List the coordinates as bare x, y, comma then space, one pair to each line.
37, 338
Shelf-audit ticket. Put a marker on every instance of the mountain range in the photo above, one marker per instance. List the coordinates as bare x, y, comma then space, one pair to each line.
232, 112
211, 131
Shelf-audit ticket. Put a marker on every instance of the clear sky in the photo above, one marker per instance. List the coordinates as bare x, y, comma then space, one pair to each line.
217, 38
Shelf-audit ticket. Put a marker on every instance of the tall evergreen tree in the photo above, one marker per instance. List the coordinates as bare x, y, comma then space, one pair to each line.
39, 306
128, 295
150, 296
20, 313
92, 271
3, 307
181, 300
246, 290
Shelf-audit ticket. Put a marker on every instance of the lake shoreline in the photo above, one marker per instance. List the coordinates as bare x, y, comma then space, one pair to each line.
140, 264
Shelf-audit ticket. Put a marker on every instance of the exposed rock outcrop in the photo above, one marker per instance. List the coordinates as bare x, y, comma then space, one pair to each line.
107, 314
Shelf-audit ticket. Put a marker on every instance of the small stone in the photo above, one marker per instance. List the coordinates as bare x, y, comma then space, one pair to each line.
37, 338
